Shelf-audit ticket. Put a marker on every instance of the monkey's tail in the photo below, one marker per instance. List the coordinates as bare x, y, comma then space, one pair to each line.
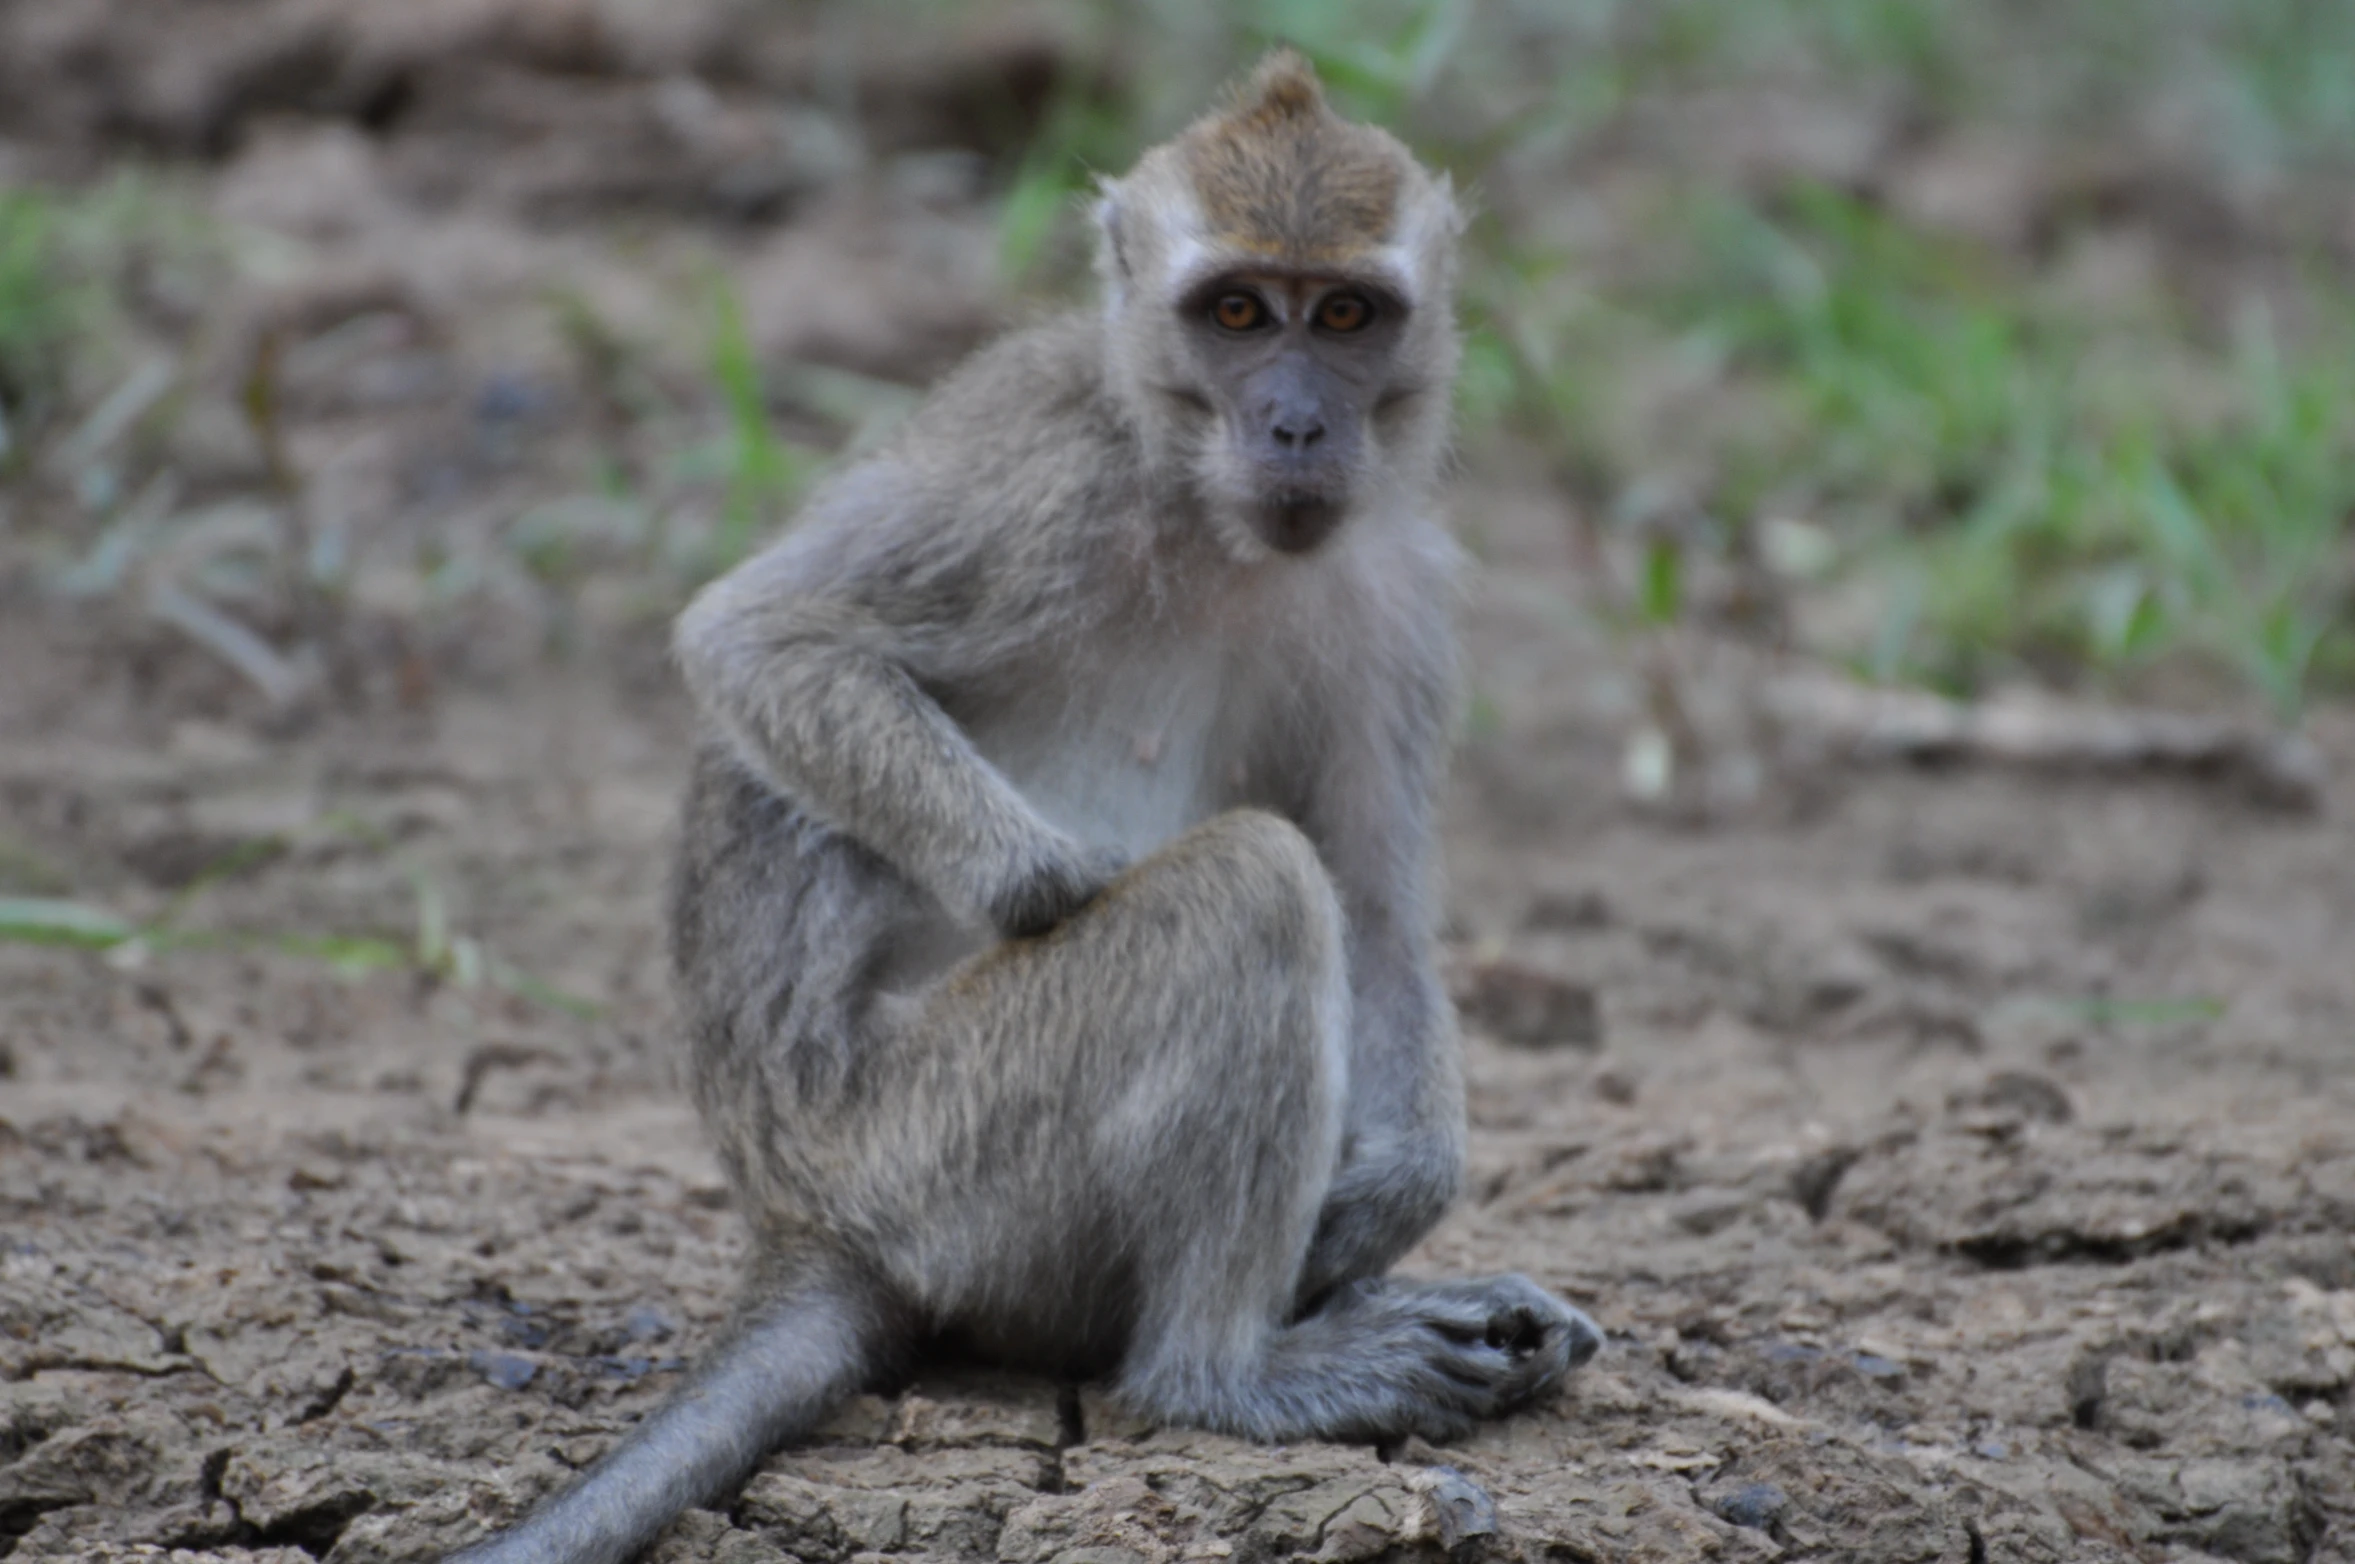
778, 1375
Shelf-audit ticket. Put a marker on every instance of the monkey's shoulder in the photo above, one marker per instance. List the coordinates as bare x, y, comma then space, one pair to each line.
1031, 408
1014, 483
1010, 497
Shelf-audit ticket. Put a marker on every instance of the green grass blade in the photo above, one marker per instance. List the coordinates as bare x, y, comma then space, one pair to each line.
38, 920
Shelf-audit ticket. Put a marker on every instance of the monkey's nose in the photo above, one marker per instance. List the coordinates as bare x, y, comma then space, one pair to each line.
1298, 436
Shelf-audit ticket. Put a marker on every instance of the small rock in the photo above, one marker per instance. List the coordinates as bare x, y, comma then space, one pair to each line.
2027, 1094
979, 1408
1817, 1178
2088, 1386
417, 1372
1873, 1366
1754, 1505
1530, 1008
862, 1420
2244, 1509
646, 1323
507, 1370
1616, 1088
1463, 1516
1567, 912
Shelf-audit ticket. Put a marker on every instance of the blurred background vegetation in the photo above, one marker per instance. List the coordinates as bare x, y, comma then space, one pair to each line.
1955, 342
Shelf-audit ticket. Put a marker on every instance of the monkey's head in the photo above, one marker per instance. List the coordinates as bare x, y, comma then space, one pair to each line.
1279, 286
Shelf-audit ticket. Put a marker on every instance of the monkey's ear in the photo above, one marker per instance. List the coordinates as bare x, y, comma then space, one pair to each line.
1108, 223
1457, 206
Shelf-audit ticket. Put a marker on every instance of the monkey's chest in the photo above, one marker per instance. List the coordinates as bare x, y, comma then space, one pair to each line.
1131, 755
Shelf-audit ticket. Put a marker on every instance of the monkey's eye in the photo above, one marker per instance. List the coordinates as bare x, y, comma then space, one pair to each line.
1345, 312
1238, 311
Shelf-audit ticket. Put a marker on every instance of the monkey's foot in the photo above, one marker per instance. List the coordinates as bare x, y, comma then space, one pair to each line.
1434, 1358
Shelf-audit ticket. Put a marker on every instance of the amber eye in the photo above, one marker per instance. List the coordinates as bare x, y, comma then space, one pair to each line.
1238, 311
1344, 312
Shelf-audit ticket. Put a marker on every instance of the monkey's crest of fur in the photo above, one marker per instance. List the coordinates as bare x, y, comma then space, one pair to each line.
1282, 86
1280, 174
1274, 174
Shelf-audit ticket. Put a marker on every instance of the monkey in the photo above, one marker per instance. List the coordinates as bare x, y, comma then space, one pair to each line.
1053, 916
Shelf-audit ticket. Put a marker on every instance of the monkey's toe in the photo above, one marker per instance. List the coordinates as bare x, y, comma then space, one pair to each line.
1540, 1336
1585, 1336
1516, 1331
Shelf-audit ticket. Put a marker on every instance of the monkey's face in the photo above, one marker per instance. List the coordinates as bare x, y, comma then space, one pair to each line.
1285, 373
1278, 322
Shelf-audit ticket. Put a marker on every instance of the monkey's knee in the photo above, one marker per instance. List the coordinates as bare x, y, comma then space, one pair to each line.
1258, 903
1225, 949
1248, 837
1251, 879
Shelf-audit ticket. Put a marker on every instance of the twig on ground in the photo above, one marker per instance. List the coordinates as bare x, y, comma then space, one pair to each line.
2026, 728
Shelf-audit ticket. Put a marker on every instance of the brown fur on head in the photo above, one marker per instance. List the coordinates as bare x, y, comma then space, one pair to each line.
1274, 190
1274, 174
1280, 175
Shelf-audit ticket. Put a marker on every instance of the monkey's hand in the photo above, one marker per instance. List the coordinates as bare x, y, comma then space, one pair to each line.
1051, 883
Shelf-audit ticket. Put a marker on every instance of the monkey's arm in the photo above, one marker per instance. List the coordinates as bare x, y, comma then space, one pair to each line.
814, 685
1370, 815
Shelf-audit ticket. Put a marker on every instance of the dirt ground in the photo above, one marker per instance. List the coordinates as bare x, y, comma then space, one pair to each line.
1962, 1161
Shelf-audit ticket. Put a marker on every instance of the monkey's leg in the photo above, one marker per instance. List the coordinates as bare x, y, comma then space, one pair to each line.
779, 1372
1157, 1091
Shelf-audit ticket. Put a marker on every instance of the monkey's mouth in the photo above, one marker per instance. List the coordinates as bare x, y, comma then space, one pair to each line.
1297, 523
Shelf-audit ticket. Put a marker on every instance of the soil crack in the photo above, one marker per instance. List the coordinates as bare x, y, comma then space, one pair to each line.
2019, 1251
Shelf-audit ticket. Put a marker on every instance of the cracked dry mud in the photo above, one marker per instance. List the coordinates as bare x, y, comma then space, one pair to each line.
1906, 1251
1929, 1221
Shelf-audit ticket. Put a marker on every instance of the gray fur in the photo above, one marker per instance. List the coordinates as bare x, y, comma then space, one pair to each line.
1053, 921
